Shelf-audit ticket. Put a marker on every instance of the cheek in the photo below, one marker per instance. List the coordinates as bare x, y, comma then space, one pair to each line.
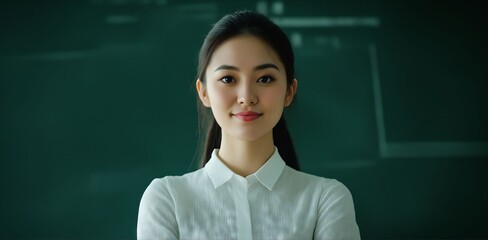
273, 100
220, 96
273, 96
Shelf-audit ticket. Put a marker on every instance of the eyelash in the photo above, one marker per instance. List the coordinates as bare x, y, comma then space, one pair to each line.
227, 77
232, 80
271, 79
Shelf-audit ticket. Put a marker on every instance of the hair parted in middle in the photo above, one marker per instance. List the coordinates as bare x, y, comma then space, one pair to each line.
232, 25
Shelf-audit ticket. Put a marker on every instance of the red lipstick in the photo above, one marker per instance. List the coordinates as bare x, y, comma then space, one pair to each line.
247, 115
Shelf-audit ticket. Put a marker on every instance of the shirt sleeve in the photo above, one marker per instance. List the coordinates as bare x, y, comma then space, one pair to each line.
156, 219
336, 217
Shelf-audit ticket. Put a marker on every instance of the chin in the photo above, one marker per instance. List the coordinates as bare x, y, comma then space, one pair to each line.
248, 136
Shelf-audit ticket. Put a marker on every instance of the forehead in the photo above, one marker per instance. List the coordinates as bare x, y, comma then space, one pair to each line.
244, 51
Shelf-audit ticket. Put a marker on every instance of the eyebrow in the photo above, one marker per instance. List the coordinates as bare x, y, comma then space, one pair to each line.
259, 67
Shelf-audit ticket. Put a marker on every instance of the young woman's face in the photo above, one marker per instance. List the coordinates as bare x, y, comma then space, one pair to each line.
246, 88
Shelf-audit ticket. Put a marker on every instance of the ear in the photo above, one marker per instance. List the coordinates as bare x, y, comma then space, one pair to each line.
290, 93
202, 93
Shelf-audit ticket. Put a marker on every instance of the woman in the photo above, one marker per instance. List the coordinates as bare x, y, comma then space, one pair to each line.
248, 186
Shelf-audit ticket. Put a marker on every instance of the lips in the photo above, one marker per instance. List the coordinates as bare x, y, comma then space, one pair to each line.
247, 115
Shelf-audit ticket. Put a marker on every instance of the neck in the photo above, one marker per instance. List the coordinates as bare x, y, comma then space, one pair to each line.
246, 157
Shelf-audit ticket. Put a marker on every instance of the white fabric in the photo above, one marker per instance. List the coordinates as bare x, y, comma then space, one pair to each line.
276, 202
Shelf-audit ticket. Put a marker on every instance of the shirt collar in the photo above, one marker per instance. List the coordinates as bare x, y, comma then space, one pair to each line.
217, 171
267, 175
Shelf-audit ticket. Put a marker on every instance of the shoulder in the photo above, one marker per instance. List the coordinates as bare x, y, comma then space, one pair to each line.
326, 186
175, 182
168, 185
307, 178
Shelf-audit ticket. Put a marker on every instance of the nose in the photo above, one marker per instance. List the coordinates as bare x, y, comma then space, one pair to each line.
247, 95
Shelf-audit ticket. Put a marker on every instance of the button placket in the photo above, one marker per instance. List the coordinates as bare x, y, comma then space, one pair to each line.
243, 215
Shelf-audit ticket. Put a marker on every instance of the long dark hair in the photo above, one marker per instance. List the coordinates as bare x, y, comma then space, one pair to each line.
256, 24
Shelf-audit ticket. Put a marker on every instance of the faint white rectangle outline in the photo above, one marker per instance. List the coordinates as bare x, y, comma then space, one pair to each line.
319, 21
415, 149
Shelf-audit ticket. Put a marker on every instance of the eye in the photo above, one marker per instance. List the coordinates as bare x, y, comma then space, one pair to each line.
265, 79
227, 79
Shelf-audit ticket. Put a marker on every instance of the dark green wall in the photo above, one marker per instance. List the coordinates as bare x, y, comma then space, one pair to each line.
97, 99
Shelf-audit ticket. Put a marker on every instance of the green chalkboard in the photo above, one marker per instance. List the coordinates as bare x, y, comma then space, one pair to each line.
97, 99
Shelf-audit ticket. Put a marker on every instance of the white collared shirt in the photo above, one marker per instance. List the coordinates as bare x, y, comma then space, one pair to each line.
276, 202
